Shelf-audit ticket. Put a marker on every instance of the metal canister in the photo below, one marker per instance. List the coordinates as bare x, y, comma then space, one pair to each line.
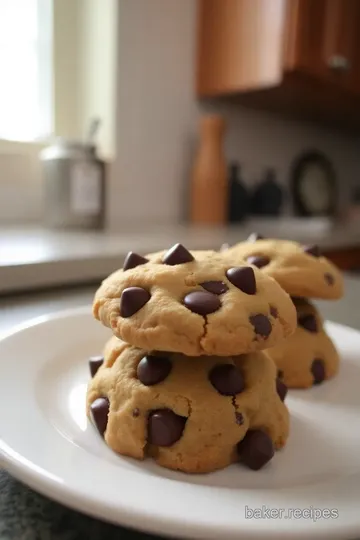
74, 185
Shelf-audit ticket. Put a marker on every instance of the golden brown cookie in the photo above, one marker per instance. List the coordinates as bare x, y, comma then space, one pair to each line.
300, 270
193, 416
176, 302
309, 356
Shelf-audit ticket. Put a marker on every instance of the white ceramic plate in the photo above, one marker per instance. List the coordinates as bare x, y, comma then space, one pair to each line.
46, 441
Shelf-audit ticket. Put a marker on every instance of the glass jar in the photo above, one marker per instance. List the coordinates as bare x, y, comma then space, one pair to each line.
74, 185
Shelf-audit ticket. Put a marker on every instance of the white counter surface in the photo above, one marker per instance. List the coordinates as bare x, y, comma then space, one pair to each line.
36, 258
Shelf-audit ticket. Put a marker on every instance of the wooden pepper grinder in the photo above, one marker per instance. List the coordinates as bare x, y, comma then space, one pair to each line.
209, 189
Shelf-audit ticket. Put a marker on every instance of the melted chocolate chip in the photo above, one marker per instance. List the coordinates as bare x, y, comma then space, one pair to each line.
258, 260
280, 374
165, 427
153, 369
274, 312
243, 278
318, 370
329, 278
313, 250
227, 379
133, 260
215, 287
281, 389
297, 300
261, 324
95, 362
202, 302
132, 300
254, 237
239, 419
136, 413
100, 410
256, 449
308, 322
177, 255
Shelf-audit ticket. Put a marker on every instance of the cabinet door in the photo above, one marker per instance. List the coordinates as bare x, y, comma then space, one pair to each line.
349, 44
322, 38
307, 31
240, 45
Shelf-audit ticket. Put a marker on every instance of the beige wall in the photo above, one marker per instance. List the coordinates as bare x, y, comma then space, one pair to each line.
157, 119
20, 182
97, 73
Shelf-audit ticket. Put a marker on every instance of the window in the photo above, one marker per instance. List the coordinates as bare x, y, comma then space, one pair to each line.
25, 69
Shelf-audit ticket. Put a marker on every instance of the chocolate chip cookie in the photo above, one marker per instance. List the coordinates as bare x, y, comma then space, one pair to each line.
308, 357
195, 304
300, 270
192, 416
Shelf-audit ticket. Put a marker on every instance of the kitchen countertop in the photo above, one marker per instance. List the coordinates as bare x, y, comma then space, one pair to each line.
38, 518
33, 257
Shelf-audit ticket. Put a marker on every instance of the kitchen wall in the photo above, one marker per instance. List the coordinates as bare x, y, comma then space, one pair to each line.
20, 182
157, 116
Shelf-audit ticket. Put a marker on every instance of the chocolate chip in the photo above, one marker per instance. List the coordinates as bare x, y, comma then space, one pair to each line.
329, 278
215, 287
313, 250
261, 324
281, 389
100, 410
254, 237
280, 374
136, 413
308, 322
177, 255
297, 299
133, 260
256, 449
95, 362
132, 299
224, 247
243, 278
202, 302
258, 260
274, 312
239, 419
153, 369
227, 379
318, 370
165, 427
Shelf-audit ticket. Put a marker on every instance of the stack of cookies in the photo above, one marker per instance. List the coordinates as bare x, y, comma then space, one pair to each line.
308, 356
183, 379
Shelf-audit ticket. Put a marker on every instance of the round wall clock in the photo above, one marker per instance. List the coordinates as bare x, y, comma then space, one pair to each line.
313, 185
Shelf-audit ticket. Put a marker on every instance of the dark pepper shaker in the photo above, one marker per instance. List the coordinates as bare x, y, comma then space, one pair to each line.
268, 196
238, 196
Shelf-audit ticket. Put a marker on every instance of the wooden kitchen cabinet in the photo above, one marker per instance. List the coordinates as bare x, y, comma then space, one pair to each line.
321, 40
301, 57
347, 259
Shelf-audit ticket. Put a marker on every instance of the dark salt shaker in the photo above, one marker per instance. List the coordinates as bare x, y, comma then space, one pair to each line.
268, 196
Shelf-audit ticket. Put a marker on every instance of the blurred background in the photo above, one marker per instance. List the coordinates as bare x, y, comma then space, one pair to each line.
132, 124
